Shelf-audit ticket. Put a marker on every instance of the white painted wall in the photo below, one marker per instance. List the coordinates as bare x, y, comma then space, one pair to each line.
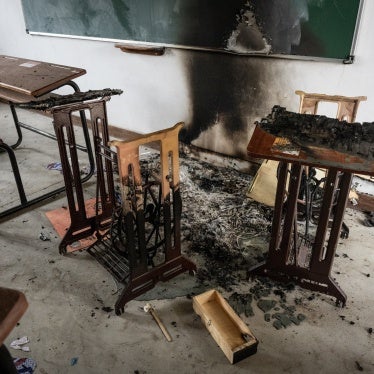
156, 88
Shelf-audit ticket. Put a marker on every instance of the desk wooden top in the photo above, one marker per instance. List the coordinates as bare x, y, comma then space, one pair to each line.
264, 145
32, 78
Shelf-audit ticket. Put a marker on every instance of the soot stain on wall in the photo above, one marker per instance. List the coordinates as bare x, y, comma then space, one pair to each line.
281, 22
215, 92
228, 90
205, 23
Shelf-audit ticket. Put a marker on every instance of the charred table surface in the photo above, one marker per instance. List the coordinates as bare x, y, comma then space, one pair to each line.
308, 130
77, 97
307, 145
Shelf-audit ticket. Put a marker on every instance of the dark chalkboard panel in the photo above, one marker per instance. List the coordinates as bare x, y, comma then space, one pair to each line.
311, 28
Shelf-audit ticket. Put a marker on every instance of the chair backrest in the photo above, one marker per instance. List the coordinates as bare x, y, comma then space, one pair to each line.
347, 106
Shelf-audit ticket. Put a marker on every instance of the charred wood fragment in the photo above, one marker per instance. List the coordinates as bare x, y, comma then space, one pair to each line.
76, 97
307, 130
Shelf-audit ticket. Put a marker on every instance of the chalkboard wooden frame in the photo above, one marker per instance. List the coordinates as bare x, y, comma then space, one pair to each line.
305, 29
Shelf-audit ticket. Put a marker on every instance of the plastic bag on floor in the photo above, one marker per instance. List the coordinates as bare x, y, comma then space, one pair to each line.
24, 365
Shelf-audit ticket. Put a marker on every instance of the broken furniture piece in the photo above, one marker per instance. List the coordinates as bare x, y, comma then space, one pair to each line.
143, 245
22, 80
93, 103
148, 308
227, 329
308, 259
13, 305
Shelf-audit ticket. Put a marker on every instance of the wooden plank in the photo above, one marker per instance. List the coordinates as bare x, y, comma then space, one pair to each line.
141, 49
34, 78
7, 95
228, 330
264, 184
329, 98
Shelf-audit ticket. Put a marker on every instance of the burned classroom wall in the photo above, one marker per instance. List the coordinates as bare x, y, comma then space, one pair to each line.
228, 93
217, 95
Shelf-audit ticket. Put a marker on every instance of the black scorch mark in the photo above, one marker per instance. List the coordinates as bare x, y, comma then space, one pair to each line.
224, 89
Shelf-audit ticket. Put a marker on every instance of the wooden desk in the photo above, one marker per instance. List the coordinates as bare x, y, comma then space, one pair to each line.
33, 78
23, 80
264, 145
307, 261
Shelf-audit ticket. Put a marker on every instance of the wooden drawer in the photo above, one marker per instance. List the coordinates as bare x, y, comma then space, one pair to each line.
225, 326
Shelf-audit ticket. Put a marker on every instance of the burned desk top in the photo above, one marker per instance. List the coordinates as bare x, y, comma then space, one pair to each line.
272, 141
21, 79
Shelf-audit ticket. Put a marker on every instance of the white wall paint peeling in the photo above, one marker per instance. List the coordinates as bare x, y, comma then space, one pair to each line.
157, 88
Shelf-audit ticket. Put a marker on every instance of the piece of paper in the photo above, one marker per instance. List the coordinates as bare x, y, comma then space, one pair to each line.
29, 64
20, 344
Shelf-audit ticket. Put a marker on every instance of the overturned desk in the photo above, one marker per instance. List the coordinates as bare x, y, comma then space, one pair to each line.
23, 80
307, 259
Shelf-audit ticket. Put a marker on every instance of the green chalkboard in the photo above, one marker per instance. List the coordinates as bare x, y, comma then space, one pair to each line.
309, 28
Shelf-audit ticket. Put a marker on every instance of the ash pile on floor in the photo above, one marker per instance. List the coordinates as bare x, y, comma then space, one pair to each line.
226, 234
220, 223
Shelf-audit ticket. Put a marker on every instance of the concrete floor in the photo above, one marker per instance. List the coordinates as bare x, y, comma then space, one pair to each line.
65, 320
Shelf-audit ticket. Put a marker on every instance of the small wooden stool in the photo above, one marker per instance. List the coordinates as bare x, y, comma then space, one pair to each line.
13, 305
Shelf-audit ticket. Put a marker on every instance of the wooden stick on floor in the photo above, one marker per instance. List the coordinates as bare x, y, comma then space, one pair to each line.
149, 309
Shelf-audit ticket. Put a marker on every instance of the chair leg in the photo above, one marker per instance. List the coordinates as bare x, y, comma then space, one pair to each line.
6, 361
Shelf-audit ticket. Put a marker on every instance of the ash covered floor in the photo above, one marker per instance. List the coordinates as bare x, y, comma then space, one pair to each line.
73, 329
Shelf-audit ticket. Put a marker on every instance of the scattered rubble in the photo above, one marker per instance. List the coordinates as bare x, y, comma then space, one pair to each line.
369, 220
44, 237
270, 297
229, 233
266, 305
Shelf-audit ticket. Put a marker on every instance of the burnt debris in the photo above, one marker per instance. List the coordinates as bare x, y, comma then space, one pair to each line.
369, 220
306, 130
226, 234
76, 97
219, 223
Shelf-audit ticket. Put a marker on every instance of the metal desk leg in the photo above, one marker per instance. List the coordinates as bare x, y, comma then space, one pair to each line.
280, 264
16, 173
81, 225
24, 202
